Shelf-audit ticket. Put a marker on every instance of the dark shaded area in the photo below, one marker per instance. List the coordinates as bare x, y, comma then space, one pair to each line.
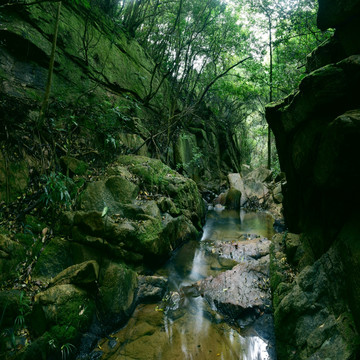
317, 130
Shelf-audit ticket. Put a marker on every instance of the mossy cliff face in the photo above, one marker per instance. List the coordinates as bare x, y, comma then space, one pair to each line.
90, 51
101, 79
317, 130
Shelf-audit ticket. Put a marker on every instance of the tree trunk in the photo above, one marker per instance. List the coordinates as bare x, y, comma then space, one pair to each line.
51, 68
270, 89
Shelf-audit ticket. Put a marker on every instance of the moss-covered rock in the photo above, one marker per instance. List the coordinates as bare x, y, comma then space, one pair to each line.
311, 318
83, 274
77, 167
55, 257
11, 254
14, 178
233, 199
110, 193
66, 305
116, 293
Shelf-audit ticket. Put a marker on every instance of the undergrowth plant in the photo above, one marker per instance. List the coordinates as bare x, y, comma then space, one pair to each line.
57, 190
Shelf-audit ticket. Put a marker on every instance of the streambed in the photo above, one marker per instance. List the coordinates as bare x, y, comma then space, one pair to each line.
191, 325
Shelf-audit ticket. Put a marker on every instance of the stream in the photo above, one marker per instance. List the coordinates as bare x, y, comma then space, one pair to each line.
185, 325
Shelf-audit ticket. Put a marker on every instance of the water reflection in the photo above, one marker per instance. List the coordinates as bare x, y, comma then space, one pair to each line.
188, 328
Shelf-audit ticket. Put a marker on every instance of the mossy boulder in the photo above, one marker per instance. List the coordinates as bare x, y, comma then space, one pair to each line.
77, 167
350, 255
110, 192
311, 318
66, 305
135, 227
55, 257
117, 291
233, 199
83, 274
11, 254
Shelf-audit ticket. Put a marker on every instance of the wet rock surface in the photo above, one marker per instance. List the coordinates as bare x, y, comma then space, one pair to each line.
151, 288
242, 293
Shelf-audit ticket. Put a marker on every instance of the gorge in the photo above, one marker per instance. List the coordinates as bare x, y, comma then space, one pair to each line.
135, 212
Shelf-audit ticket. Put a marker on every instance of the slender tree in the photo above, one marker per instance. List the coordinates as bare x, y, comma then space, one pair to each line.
51, 67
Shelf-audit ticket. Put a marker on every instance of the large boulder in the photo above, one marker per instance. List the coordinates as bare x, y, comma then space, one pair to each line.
333, 13
64, 305
117, 293
83, 274
236, 182
256, 186
111, 192
55, 257
156, 176
240, 293
151, 289
316, 138
11, 255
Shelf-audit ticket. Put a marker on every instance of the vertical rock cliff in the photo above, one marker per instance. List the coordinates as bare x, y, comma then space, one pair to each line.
317, 131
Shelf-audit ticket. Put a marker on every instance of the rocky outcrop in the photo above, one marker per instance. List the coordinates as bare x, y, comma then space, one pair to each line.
312, 318
256, 190
241, 293
317, 130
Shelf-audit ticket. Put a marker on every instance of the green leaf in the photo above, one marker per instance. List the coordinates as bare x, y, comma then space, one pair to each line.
105, 211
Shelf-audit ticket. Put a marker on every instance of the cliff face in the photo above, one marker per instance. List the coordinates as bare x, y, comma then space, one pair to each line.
101, 81
317, 130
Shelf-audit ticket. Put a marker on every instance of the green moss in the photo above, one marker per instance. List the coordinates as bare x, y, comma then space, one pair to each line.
152, 172
26, 239
77, 312
63, 334
14, 179
55, 258
78, 167
149, 234
346, 327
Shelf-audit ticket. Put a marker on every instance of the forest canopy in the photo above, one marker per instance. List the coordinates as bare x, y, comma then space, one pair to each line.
229, 56
194, 44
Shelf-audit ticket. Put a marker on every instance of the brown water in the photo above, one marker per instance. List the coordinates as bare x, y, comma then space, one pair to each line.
187, 328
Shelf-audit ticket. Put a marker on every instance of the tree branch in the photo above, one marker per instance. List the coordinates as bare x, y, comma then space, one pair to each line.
218, 77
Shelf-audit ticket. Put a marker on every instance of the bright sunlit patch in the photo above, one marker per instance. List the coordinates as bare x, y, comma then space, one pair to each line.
255, 348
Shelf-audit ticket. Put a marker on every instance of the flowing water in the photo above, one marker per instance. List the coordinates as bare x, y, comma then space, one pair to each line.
188, 328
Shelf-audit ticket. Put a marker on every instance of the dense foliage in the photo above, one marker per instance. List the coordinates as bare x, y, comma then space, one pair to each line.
194, 43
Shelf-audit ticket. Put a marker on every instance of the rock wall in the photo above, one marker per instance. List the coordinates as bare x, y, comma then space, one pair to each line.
101, 77
317, 130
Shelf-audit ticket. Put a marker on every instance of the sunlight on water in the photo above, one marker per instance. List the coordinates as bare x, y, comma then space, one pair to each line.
254, 349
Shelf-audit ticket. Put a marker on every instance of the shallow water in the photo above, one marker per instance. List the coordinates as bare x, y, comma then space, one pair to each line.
187, 328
